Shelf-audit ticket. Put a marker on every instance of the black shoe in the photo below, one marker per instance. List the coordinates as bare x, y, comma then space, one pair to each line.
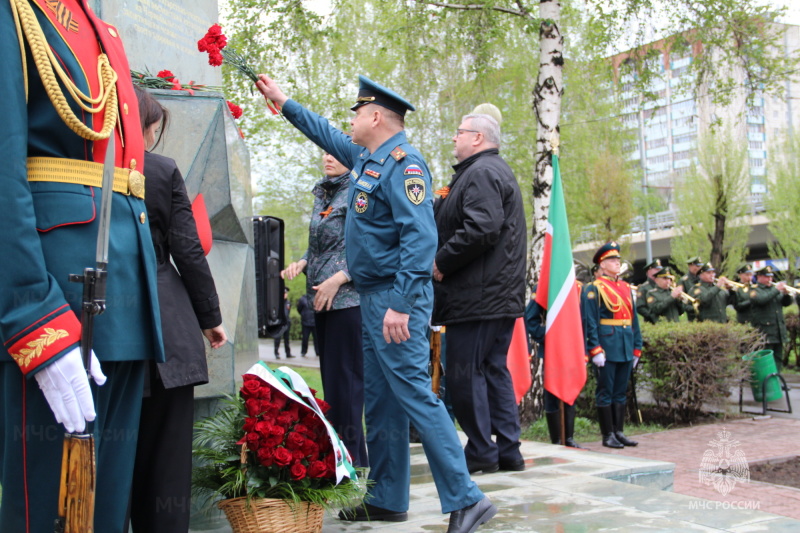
468, 519
610, 441
625, 441
518, 465
302, 355
277, 356
486, 468
289, 356
366, 512
572, 444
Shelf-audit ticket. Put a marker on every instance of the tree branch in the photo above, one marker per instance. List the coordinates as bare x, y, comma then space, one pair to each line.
521, 12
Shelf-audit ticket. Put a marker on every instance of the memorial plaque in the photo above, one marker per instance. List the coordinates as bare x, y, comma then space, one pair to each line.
163, 34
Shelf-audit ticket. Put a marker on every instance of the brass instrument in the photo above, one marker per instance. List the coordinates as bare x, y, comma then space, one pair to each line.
686, 298
794, 290
735, 284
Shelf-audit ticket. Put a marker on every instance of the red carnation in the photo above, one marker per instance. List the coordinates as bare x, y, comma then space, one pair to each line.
214, 59
282, 457
236, 111
317, 469
298, 471
166, 74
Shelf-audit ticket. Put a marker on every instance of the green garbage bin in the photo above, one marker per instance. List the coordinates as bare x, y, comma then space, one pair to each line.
762, 364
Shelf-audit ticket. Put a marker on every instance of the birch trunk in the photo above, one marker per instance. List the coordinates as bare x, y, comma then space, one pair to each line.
547, 108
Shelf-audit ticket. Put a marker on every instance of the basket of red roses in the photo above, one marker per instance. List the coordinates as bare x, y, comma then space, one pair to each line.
273, 457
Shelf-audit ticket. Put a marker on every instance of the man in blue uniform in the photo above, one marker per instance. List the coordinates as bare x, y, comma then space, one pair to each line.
613, 341
391, 241
58, 117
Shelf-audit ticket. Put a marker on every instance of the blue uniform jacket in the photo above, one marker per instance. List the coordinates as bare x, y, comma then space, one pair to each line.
619, 342
390, 233
50, 229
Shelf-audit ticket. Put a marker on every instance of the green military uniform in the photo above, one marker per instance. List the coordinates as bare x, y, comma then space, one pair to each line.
688, 281
767, 316
739, 298
712, 300
660, 302
643, 289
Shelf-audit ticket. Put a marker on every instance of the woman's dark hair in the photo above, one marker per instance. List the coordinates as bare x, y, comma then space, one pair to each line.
151, 112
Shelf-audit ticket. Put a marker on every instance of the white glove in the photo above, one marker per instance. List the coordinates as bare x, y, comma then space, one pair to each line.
635, 361
599, 360
66, 388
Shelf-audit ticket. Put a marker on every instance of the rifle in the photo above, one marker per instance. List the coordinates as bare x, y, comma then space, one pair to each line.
76, 495
436, 361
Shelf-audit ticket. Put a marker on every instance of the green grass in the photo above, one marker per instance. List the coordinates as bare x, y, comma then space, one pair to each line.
312, 377
585, 430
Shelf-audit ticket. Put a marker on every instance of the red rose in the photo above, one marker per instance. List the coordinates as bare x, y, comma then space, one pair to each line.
310, 448
330, 465
265, 456
279, 401
317, 469
251, 388
285, 419
263, 428
277, 431
268, 407
249, 424
273, 442
298, 455
302, 429
324, 406
253, 440
166, 74
236, 111
298, 471
253, 406
295, 441
282, 457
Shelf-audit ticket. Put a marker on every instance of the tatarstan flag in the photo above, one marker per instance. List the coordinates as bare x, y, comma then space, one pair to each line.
564, 361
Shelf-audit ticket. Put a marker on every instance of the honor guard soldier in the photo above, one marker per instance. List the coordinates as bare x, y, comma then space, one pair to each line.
711, 295
613, 341
67, 92
766, 313
689, 280
740, 296
391, 241
642, 290
664, 302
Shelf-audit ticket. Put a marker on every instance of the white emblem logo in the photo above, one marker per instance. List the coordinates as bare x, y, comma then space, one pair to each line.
725, 466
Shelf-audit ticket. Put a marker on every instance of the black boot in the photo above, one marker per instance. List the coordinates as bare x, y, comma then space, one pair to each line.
619, 424
554, 426
569, 423
607, 427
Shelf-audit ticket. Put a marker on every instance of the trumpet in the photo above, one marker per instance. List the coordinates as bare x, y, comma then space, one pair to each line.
793, 290
734, 284
687, 299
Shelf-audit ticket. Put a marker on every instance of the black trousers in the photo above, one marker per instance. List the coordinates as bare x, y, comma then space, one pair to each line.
307, 331
341, 363
285, 336
162, 480
480, 388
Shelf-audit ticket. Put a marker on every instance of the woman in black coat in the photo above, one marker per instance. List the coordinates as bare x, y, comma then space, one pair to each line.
160, 499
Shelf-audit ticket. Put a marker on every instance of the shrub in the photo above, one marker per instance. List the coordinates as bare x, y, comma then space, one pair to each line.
690, 365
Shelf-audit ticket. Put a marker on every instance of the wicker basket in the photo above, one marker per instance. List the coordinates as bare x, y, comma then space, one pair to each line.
265, 515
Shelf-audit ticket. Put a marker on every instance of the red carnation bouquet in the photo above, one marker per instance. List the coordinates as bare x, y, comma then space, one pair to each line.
215, 43
272, 441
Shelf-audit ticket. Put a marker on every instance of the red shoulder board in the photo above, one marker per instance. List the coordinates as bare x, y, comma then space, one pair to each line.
398, 153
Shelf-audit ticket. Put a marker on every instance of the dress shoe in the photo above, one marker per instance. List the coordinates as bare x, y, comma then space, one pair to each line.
468, 519
365, 512
277, 356
302, 355
625, 441
517, 465
573, 444
289, 356
486, 468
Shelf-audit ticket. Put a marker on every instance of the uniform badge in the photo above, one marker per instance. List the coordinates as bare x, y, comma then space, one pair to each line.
367, 185
398, 153
590, 295
353, 175
413, 170
362, 202
63, 15
650, 299
415, 190
372, 174
698, 290
753, 294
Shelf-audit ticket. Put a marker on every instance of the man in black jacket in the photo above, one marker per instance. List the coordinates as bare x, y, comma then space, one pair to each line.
479, 291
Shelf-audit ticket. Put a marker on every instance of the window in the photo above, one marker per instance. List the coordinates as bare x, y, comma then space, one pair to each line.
686, 138
756, 162
756, 145
687, 154
756, 128
656, 143
683, 122
658, 159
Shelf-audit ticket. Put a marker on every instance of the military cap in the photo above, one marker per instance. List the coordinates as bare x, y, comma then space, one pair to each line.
607, 251
766, 271
745, 268
370, 92
665, 272
655, 264
694, 261
706, 267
